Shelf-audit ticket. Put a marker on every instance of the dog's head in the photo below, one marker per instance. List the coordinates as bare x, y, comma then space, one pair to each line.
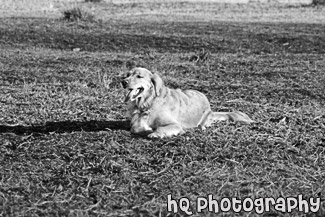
141, 85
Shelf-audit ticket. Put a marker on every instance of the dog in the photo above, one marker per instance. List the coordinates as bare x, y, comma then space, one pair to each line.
158, 111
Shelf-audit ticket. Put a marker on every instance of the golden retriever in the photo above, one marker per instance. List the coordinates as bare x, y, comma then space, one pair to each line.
158, 111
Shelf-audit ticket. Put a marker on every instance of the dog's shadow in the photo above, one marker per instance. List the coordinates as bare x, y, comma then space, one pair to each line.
66, 127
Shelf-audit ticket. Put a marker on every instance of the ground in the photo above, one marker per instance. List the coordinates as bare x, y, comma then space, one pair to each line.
65, 145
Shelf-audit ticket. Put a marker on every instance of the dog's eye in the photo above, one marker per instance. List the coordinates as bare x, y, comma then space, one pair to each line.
139, 76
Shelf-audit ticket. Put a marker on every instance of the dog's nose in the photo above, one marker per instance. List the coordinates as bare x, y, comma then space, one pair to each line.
124, 83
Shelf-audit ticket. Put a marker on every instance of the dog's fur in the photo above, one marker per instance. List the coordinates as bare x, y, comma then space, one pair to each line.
158, 111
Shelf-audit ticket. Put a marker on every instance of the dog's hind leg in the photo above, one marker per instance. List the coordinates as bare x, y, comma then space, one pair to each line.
213, 117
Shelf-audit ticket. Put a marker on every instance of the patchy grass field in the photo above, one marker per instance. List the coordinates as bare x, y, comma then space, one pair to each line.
65, 148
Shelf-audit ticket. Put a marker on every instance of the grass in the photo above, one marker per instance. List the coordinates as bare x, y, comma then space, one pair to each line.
77, 14
65, 145
318, 2
93, 1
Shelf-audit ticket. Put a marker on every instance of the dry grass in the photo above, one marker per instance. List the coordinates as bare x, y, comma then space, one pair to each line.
318, 2
93, 1
171, 10
65, 147
78, 14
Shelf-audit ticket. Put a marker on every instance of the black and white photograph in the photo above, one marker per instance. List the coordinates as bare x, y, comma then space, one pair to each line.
164, 108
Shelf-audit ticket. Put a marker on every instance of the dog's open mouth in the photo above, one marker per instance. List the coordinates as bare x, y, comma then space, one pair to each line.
132, 94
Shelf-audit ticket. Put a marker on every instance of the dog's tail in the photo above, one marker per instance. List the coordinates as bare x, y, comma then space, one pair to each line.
235, 116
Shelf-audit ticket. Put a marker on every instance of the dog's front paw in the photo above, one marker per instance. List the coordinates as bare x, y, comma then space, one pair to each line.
155, 135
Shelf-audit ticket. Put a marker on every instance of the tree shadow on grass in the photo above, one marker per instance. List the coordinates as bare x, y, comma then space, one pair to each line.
66, 127
223, 37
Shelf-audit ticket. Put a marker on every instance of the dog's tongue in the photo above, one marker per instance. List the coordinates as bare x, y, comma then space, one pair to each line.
130, 95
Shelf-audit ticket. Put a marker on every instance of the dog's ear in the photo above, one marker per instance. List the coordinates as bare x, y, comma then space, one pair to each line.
157, 83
